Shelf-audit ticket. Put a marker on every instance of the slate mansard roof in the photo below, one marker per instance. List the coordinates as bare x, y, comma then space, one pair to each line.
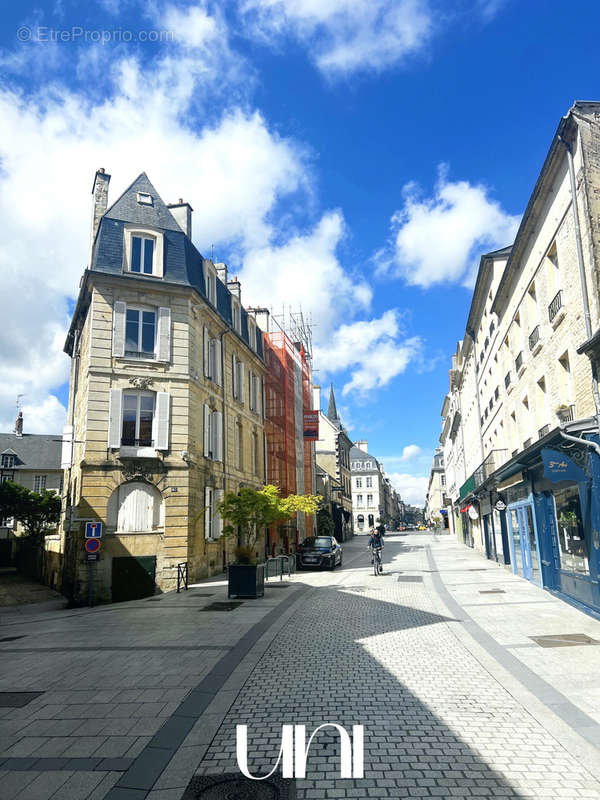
183, 264
32, 450
356, 454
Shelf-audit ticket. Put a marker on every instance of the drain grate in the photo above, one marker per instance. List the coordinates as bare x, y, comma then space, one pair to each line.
12, 638
564, 640
222, 606
232, 786
410, 578
17, 699
492, 591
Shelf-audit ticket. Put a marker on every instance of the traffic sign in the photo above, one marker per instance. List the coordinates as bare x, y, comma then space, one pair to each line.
93, 530
92, 545
89, 557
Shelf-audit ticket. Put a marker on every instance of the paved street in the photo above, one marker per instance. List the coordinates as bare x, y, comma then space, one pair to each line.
435, 658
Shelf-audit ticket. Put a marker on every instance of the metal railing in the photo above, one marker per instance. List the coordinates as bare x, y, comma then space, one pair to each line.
182, 576
278, 565
566, 414
519, 361
543, 431
555, 305
125, 442
526, 444
534, 337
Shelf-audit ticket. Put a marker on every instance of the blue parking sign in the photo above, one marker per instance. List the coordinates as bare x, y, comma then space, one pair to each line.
93, 530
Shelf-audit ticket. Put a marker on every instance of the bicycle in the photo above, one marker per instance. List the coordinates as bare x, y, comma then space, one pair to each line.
377, 565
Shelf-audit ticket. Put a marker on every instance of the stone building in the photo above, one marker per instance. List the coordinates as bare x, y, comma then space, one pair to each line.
436, 489
165, 403
523, 397
31, 460
332, 452
367, 488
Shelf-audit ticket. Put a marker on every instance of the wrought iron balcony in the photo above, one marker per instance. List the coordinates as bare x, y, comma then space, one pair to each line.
489, 465
566, 413
519, 361
127, 442
534, 337
543, 431
555, 305
526, 444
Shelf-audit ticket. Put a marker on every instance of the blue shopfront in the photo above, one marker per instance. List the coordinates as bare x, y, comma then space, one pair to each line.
553, 519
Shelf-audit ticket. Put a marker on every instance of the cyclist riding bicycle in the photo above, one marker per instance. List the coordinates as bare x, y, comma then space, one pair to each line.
375, 541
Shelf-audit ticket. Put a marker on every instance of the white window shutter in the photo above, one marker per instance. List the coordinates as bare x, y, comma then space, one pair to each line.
233, 376
161, 415
66, 457
250, 406
207, 512
218, 521
217, 367
206, 431
262, 397
115, 413
206, 349
217, 435
118, 342
163, 346
241, 381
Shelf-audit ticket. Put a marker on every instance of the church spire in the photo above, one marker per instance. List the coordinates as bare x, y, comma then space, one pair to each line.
332, 413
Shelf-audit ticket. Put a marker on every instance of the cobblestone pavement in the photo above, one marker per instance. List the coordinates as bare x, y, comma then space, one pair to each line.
455, 698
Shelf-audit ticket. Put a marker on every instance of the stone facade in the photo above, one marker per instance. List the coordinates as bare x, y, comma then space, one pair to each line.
161, 426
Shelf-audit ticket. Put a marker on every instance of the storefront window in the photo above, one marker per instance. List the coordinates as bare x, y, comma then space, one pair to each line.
571, 538
497, 527
514, 524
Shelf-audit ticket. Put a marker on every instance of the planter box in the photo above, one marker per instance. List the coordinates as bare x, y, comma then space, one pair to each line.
246, 580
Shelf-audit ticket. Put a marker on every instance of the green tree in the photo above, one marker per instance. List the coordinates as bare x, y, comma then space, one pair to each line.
35, 511
324, 522
252, 510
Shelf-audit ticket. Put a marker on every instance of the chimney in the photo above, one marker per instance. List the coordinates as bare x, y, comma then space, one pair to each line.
261, 315
183, 216
362, 445
19, 424
316, 398
221, 271
100, 192
235, 288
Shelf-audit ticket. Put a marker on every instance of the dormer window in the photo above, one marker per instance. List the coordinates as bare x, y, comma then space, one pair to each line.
251, 334
210, 283
143, 252
144, 198
236, 317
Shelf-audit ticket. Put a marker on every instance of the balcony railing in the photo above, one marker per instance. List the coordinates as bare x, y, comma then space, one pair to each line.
519, 361
534, 337
526, 444
126, 442
543, 431
507, 380
489, 465
555, 305
566, 414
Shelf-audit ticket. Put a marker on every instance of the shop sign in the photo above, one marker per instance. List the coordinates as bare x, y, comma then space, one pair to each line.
473, 513
559, 467
310, 426
500, 505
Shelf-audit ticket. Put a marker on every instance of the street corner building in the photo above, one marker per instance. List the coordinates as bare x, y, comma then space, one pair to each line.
520, 420
166, 401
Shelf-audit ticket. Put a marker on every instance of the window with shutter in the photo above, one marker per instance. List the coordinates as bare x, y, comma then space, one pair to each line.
66, 457
208, 512
164, 334
207, 434
240, 366
114, 417
217, 520
217, 435
206, 352
234, 376
217, 362
118, 349
161, 434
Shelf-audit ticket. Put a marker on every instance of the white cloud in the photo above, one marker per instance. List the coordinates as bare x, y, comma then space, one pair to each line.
412, 488
410, 451
439, 239
344, 36
234, 172
373, 350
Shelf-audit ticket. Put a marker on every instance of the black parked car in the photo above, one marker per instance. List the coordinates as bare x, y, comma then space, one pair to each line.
319, 551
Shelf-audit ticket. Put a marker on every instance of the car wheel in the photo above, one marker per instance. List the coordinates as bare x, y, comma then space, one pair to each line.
332, 563
340, 561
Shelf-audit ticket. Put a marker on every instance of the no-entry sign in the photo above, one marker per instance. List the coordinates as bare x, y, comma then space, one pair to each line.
92, 545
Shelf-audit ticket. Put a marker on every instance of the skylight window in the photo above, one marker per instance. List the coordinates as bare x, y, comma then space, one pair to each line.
144, 198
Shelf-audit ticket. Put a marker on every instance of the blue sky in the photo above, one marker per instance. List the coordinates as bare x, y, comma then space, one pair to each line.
352, 157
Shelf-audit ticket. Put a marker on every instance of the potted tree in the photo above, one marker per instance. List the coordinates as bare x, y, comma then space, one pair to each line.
250, 512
